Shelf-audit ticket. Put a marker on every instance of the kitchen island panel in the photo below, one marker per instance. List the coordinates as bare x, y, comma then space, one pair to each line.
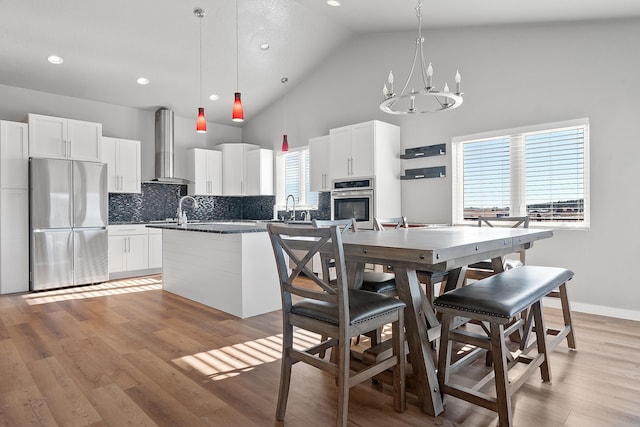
234, 272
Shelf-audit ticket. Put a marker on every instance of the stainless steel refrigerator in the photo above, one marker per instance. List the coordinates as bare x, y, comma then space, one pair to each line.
68, 217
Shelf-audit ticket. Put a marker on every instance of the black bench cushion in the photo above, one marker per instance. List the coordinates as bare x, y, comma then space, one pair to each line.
373, 281
363, 306
505, 294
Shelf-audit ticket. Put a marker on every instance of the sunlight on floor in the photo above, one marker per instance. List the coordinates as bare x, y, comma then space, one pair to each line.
125, 286
227, 362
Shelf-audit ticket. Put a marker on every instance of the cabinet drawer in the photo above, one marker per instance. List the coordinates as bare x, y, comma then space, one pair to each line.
127, 229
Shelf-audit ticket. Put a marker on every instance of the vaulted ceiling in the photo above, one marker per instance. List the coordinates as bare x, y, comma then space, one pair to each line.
108, 45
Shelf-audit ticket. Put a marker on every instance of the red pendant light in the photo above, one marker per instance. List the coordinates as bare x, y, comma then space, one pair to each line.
238, 113
285, 144
201, 121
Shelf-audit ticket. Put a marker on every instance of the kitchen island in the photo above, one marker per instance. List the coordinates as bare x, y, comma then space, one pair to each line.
225, 265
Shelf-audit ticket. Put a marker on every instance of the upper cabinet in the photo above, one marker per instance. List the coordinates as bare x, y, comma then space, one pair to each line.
204, 170
364, 150
122, 157
59, 138
14, 207
14, 155
245, 174
319, 163
260, 172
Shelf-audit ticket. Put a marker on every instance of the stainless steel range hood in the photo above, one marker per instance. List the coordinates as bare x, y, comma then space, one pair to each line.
165, 149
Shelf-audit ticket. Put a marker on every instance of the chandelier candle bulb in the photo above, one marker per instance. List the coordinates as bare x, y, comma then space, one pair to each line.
458, 79
390, 80
429, 76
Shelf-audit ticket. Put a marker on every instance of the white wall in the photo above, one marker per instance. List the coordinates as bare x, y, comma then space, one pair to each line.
512, 76
117, 121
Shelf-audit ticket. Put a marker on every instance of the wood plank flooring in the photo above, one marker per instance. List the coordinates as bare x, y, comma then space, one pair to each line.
128, 353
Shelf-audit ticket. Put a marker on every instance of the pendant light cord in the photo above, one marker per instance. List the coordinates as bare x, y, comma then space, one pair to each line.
237, 50
201, 61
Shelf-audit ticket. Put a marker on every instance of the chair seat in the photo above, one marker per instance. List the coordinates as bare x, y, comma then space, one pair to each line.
378, 282
363, 306
486, 264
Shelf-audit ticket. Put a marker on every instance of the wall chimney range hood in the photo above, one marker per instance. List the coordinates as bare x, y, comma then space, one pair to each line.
165, 149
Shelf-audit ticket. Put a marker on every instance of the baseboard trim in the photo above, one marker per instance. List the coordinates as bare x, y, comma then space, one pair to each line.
599, 310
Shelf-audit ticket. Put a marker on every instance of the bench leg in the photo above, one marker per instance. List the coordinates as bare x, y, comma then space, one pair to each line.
503, 394
566, 314
541, 340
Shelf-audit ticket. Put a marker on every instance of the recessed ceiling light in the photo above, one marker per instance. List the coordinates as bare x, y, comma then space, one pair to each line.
333, 3
264, 46
214, 97
143, 81
55, 59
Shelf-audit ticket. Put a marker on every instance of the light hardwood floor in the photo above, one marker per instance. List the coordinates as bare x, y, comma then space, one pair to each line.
128, 353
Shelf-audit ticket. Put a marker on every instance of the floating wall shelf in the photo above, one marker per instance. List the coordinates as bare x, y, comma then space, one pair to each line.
422, 173
426, 151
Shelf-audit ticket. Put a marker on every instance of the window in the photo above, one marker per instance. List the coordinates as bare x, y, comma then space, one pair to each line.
293, 178
539, 171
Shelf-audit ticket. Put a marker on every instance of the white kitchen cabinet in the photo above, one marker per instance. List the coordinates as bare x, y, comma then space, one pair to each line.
260, 172
319, 163
204, 169
123, 159
60, 138
14, 155
14, 238
128, 248
14, 207
352, 150
155, 247
234, 168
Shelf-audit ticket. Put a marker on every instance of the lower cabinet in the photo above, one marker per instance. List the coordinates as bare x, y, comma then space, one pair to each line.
133, 248
155, 248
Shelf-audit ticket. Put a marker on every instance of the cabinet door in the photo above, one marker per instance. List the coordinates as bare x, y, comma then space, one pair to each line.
214, 172
260, 172
138, 252
320, 178
47, 137
233, 158
14, 241
155, 249
14, 155
84, 140
340, 153
117, 254
362, 146
109, 156
129, 165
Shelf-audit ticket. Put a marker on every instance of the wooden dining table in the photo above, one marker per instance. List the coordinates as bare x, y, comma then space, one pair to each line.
431, 249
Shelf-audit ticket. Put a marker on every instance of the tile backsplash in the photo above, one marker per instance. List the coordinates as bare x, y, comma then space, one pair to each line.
157, 202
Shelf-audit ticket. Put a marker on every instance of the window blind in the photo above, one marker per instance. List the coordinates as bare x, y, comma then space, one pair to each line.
541, 172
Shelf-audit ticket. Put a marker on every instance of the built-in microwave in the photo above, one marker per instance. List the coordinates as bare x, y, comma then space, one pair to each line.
354, 199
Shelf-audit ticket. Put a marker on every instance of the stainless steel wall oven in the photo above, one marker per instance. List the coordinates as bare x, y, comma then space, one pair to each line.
354, 199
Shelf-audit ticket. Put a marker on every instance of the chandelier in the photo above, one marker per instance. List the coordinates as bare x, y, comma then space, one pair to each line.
428, 99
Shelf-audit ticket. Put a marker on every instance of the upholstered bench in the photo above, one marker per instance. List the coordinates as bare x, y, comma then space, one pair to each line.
498, 300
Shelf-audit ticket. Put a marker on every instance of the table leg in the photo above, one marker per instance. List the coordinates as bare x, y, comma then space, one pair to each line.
424, 369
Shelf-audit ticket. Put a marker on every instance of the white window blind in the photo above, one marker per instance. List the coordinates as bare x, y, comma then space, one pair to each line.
540, 171
293, 178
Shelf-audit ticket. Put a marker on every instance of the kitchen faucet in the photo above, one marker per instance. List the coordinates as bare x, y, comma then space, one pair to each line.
182, 217
292, 217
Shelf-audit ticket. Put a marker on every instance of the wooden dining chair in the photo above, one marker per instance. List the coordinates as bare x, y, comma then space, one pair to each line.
333, 310
483, 269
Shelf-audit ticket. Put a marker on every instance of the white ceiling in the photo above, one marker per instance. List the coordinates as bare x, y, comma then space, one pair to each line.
108, 44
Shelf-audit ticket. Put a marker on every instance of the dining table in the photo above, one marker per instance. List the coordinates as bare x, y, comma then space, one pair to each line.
430, 249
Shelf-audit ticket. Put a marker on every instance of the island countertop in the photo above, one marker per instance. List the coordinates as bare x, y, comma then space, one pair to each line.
220, 227
215, 227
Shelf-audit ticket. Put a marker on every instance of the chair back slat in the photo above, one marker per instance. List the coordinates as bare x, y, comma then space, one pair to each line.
512, 221
380, 224
344, 224
294, 246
